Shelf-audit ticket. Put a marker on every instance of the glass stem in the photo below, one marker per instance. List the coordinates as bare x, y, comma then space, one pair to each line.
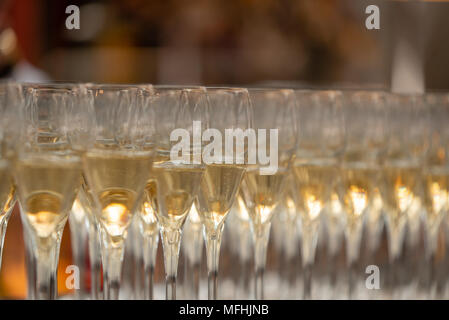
194, 245
30, 262
78, 240
47, 256
170, 242
150, 244
244, 252
112, 256
95, 262
307, 290
353, 239
261, 237
30, 258
213, 242
290, 249
310, 230
351, 279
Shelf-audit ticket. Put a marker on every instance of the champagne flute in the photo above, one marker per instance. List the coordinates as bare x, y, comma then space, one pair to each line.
320, 142
181, 114
11, 103
406, 145
116, 167
229, 109
364, 115
47, 170
436, 176
78, 218
274, 111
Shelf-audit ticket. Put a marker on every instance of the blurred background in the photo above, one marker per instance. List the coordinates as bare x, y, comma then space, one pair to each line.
293, 43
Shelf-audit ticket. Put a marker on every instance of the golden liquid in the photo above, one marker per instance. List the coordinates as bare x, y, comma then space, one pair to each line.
262, 193
289, 199
241, 209
78, 212
149, 208
401, 191
86, 201
436, 192
47, 187
314, 186
7, 189
358, 183
375, 210
176, 186
116, 180
218, 188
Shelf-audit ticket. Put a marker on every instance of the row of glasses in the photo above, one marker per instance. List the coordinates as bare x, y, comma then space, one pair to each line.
334, 162
360, 160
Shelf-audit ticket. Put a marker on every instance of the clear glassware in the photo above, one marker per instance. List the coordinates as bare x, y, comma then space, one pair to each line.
117, 166
240, 233
193, 251
364, 117
78, 219
132, 268
402, 191
145, 230
86, 199
30, 259
320, 141
11, 103
333, 220
47, 170
274, 111
436, 180
181, 113
229, 108
291, 237
149, 236
79, 227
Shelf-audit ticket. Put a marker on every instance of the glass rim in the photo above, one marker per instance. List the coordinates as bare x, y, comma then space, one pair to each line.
227, 89
52, 90
111, 87
268, 89
178, 87
317, 91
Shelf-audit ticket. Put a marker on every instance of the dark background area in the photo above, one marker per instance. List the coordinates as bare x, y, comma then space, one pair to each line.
301, 42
